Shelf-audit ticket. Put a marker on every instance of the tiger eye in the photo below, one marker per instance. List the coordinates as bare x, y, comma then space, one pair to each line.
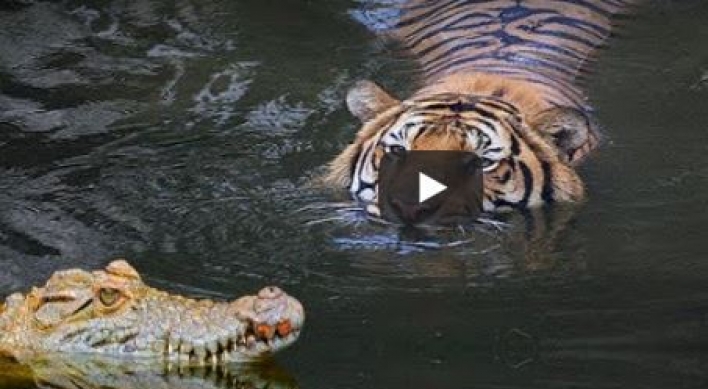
397, 150
108, 296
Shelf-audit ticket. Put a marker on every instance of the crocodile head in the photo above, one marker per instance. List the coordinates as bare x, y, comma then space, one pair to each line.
113, 312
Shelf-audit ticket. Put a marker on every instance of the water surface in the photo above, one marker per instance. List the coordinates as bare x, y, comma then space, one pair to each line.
184, 134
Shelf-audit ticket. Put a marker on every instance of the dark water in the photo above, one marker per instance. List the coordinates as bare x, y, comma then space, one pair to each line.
183, 135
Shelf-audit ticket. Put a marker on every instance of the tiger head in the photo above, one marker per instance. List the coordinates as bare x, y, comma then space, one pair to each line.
527, 160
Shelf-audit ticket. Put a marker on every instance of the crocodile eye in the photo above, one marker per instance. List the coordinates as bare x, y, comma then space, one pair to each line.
109, 296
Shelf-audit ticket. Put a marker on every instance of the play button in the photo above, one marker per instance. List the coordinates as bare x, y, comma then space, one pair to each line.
428, 187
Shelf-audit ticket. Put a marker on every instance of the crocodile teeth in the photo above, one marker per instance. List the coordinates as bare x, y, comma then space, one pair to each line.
251, 341
173, 345
224, 342
212, 346
185, 348
201, 353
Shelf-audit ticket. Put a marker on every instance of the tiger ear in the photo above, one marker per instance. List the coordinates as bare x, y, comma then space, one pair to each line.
366, 100
574, 133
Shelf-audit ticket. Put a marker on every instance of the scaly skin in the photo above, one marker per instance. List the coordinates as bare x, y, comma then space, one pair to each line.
113, 312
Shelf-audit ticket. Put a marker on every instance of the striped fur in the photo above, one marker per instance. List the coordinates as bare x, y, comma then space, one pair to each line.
544, 42
501, 79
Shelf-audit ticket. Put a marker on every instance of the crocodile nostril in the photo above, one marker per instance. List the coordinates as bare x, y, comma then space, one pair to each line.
270, 292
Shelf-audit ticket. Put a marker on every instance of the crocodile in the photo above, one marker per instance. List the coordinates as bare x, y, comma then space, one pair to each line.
112, 312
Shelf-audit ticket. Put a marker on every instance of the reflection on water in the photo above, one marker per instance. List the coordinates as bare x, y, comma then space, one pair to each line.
184, 135
58, 372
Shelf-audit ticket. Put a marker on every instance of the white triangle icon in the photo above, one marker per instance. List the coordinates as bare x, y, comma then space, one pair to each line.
428, 187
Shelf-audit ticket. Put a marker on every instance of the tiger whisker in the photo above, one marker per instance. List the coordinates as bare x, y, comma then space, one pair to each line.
436, 245
498, 225
320, 206
350, 209
325, 220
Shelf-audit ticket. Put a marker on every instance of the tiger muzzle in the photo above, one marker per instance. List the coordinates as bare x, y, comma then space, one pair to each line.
431, 187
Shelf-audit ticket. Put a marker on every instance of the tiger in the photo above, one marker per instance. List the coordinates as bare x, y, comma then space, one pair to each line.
501, 79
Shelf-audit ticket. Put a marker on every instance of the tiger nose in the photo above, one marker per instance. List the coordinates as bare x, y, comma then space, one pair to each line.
409, 212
